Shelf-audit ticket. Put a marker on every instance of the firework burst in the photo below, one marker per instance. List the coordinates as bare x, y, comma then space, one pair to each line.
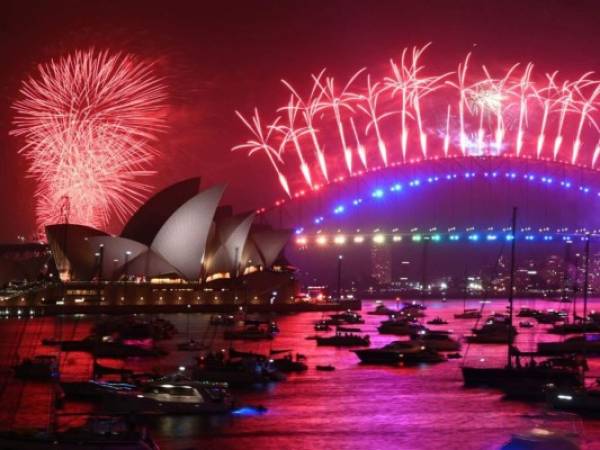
88, 121
465, 113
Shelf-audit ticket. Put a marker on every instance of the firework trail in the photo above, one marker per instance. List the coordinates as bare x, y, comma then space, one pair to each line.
88, 120
338, 101
447, 135
596, 154
586, 108
309, 110
360, 149
524, 86
371, 99
545, 99
261, 143
508, 114
293, 134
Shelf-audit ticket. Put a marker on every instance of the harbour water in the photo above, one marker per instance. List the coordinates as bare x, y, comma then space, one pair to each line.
353, 407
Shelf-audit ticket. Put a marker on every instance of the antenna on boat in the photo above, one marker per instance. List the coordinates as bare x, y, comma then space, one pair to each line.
511, 284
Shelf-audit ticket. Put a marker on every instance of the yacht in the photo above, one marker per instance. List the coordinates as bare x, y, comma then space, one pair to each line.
236, 370
541, 439
40, 367
467, 313
528, 312
100, 370
99, 433
411, 311
284, 364
415, 304
581, 400
399, 352
588, 343
107, 347
322, 325
182, 397
287, 364
440, 341
400, 327
549, 317
437, 321
347, 317
382, 310
220, 319
576, 328
94, 389
249, 333
528, 380
135, 328
344, 340
496, 330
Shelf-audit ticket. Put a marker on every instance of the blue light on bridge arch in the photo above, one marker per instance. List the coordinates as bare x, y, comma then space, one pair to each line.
474, 237
454, 237
378, 193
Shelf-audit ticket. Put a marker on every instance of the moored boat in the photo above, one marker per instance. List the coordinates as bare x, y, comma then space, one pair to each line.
249, 333
525, 381
99, 433
581, 400
40, 367
399, 327
498, 329
182, 397
440, 341
399, 352
437, 321
469, 314
344, 340
589, 343
382, 310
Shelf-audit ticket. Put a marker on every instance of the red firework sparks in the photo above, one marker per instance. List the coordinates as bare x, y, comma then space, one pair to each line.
410, 115
88, 120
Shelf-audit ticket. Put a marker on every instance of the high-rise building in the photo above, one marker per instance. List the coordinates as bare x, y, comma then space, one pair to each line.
381, 264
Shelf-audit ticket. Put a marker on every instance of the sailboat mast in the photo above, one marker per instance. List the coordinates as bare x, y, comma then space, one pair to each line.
511, 283
586, 282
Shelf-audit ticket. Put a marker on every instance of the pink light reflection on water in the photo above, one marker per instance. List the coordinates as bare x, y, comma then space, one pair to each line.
354, 407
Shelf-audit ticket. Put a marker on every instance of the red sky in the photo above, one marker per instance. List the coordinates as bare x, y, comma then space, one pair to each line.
218, 58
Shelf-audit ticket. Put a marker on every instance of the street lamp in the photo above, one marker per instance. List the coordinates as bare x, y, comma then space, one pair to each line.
125, 267
339, 277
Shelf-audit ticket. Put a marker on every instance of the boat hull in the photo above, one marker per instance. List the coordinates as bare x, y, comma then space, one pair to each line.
505, 377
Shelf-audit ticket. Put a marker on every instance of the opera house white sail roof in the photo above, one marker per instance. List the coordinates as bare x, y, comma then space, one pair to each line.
179, 232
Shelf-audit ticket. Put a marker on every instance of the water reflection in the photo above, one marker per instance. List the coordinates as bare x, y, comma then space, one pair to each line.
354, 407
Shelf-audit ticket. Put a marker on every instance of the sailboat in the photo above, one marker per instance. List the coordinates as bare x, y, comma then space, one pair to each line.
468, 313
581, 399
190, 345
514, 378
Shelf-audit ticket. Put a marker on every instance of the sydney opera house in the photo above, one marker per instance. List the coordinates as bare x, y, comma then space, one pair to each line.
180, 247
